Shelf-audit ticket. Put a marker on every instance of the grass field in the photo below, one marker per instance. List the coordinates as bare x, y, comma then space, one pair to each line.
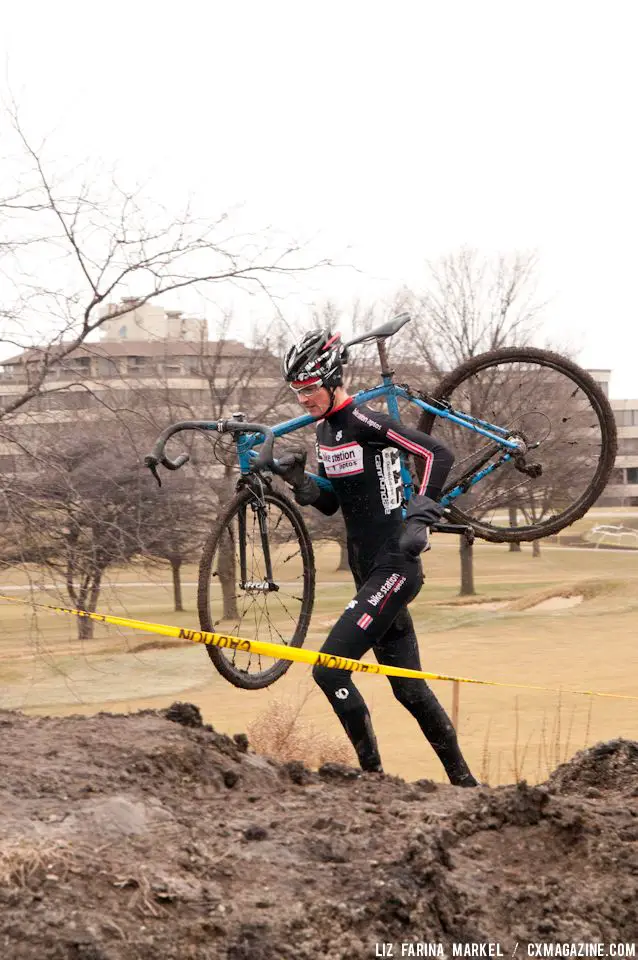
505, 732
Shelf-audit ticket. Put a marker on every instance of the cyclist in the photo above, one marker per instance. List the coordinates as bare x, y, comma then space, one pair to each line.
358, 451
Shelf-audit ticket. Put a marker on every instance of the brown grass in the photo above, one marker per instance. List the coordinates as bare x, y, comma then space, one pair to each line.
554, 745
486, 756
24, 860
475, 601
280, 732
519, 756
162, 644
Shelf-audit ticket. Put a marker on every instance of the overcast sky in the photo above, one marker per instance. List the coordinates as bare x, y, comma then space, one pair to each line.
389, 133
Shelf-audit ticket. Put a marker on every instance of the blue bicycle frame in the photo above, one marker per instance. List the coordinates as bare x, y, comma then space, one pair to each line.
247, 442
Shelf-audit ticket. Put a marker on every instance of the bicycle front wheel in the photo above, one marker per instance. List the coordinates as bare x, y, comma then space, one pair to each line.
566, 421
236, 596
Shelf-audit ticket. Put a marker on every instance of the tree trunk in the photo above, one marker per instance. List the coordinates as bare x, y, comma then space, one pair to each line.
85, 629
226, 571
88, 597
467, 568
536, 548
514, 547
176, 569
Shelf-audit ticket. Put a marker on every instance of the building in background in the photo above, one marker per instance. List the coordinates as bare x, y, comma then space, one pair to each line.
148, 321
168, 371
622, 489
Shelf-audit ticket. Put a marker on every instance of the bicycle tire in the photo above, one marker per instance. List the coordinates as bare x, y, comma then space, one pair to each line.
600, 406
229, 668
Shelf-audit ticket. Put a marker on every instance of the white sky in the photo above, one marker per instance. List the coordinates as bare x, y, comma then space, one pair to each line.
390, 133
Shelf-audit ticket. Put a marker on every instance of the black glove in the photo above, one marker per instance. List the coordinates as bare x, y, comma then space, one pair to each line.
291, 467
422, 512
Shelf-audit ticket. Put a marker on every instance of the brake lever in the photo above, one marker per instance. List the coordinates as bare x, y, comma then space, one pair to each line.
151, 462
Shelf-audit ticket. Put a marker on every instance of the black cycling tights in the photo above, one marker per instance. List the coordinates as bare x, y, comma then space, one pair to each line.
377, 618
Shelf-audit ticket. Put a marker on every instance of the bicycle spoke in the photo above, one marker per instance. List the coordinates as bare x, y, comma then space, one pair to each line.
273, 607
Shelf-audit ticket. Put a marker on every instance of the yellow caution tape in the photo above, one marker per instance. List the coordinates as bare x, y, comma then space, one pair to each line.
279, 651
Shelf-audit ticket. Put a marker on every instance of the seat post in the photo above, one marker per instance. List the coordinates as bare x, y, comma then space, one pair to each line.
383, 357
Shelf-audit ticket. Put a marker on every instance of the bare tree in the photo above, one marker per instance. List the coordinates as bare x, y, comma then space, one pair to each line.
81, 506
175, 531
471, 304
73, 242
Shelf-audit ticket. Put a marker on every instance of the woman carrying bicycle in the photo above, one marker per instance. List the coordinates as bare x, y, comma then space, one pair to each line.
357, 450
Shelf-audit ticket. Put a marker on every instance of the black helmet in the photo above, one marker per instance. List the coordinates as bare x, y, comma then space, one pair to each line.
319, 355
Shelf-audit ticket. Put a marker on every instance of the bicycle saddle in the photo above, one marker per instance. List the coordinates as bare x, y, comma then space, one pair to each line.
387, 329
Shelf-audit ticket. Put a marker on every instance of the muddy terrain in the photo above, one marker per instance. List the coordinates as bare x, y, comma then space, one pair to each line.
152, 837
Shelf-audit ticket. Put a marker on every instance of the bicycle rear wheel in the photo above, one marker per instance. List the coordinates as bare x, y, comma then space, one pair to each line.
234, 596
562, 414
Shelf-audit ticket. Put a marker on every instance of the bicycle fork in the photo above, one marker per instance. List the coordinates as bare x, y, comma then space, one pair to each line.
266, 585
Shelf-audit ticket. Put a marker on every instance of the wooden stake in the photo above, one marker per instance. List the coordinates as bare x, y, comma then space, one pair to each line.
456, 686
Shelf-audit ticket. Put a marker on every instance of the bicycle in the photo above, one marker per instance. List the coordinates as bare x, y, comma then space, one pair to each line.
257, 569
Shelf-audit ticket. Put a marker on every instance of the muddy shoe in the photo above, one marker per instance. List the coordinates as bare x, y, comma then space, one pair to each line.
468, 781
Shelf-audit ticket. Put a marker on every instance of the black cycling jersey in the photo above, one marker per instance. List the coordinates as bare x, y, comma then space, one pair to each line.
358, 451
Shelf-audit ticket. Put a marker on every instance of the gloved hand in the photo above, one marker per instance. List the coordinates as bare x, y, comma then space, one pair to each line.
422, 512
291, 467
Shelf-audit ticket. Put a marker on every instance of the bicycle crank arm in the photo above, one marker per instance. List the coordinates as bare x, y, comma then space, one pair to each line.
532, 470
461, 529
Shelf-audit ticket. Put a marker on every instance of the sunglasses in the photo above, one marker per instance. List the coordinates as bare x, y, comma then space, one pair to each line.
307, 391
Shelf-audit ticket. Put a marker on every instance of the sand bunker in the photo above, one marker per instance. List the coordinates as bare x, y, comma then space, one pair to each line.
556, 603
469, 605
485, 605
520, 605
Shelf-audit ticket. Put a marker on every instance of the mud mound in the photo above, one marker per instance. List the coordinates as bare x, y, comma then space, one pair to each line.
138, 837
606, 766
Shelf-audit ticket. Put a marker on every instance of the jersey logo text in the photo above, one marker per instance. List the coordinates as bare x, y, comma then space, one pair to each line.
365, 419
392, 585
388, 466
343, 460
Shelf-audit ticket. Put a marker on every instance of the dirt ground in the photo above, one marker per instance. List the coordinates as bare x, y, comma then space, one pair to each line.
152, 836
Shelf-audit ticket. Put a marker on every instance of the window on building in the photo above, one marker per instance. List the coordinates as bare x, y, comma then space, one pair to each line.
107, 367
632, 474
627, 418
627, 446
192, 363
78, 363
